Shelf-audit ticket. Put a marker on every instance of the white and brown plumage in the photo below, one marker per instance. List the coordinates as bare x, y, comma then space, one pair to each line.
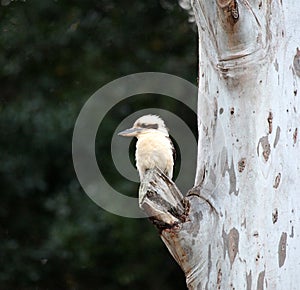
154, 148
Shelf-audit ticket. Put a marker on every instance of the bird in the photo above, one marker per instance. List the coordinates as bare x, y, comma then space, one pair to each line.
154, 147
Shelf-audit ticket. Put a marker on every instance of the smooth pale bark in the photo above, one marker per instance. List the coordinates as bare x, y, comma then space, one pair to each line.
241, 223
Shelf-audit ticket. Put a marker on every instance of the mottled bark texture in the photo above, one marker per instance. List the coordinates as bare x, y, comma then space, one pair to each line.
239, 225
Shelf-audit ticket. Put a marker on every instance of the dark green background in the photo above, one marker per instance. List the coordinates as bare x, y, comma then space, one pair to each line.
53, 56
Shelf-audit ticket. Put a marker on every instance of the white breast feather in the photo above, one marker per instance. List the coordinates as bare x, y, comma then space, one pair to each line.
154, 150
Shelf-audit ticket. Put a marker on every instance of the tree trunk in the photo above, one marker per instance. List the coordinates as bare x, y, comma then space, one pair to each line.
239, 226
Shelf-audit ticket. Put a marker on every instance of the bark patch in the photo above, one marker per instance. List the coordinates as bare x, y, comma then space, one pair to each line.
270, 121
232, 176
282, 249
264, 142
198, 217
292, 233
296, 62
276, 65
260, 281
295, 136
277, 180
231, 244
277, 136
249, 280
275, 215
219, 279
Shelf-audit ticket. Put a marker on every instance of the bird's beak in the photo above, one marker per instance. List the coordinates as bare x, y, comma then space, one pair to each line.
130, 132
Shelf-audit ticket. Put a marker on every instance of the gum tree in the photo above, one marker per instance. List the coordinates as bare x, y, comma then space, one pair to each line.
239, 226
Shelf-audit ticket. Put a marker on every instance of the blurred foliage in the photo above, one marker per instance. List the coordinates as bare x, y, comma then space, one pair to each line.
53, 56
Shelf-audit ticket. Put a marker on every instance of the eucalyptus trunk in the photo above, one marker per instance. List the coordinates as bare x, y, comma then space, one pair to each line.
239, 226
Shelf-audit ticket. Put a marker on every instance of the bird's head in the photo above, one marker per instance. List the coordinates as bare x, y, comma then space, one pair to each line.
145, 124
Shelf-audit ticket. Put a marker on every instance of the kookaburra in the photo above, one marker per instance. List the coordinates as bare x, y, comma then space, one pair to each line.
154, 147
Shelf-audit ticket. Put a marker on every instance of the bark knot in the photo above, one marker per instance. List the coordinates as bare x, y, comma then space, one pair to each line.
242, 165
